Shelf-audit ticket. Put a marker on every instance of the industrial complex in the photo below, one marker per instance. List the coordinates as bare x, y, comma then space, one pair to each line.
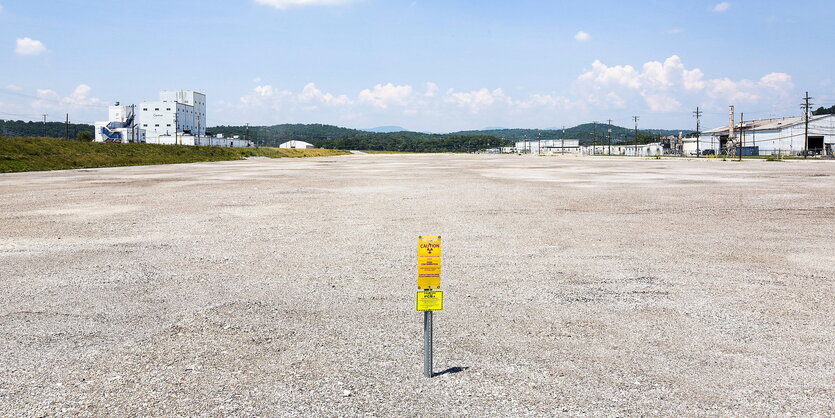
778, 136
177, 118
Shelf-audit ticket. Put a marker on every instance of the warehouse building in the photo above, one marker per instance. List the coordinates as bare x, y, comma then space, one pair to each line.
296, 144
779, 136
549, 146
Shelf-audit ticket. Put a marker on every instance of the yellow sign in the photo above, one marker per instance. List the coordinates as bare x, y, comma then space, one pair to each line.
429, 262
430, 300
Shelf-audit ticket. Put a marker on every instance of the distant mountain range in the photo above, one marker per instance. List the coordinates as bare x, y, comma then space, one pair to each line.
385, 129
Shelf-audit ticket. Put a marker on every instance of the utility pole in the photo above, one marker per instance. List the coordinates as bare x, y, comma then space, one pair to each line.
67, 128
698, 114
741, 134
176, 126
635, 118
246, 134
133, 123
44, 124
609, 136
594, 140
807, 106
562, 139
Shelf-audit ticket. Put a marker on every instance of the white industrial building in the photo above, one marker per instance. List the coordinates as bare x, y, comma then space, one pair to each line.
641, 150
121, 126
296, 144
177, 118
178, 111
549, 146
780, 136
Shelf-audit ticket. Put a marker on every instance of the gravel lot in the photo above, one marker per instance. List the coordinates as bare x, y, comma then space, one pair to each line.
286, 287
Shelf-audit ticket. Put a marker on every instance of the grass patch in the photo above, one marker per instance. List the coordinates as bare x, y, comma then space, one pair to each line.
39, 154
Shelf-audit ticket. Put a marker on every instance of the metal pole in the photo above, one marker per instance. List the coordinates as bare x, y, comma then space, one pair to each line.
427, 343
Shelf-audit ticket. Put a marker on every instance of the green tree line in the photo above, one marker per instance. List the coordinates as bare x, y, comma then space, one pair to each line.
412, 142
10, 128
824, 111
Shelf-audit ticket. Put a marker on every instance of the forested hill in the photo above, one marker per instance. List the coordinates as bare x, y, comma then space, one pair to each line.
49, 129
586, 133
276, 134
334, 137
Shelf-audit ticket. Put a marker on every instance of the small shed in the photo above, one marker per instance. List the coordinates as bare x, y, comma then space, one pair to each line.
296, 144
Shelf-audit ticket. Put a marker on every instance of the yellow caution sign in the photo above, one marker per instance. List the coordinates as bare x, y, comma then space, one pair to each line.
429, 262
430, 300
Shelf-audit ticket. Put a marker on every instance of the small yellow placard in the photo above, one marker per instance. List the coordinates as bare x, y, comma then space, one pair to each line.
430, 300
429, 262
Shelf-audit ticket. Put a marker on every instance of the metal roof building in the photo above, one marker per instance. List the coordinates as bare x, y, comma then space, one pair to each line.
783, 136
296, 144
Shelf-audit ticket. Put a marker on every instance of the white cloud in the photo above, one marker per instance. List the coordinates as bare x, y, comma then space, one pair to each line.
675, 31
284, 4
383, 95
661, 103
28, 46
662, 86
476, 100
777, 85
51, 99
310, 93
1, 8
721, 7
431, 89
256, 80
582, 36
13, 87
622, 75
47, 94
263, 91
692, 79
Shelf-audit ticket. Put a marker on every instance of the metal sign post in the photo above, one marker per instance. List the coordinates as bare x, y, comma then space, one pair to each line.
427, 343
428, 298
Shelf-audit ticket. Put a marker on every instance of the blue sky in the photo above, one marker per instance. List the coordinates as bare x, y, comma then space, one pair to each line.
424, 65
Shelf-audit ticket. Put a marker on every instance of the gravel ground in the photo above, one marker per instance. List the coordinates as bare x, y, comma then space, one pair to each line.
286, 287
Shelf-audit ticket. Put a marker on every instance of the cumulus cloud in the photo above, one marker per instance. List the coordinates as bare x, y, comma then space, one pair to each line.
383, 95
28, 46
476, 100
662, 85
666, 85
51, 99
721, 7
284, 4
582, 36
13, 87
431, 89
310, 93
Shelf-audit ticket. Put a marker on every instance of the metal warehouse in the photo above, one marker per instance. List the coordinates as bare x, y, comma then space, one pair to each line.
780, 136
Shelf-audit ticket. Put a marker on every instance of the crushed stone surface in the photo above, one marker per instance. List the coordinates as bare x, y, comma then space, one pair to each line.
599, 286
